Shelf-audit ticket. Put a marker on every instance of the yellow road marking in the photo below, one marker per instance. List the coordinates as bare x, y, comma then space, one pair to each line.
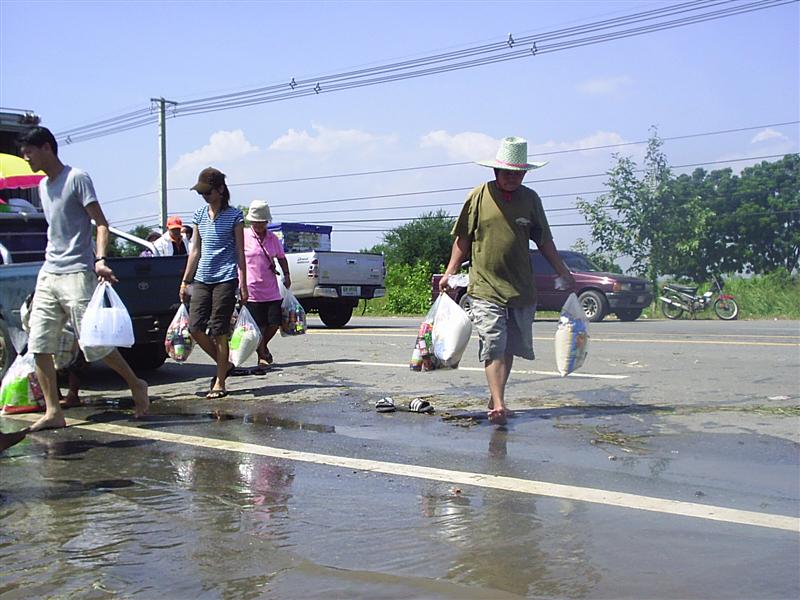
497, 482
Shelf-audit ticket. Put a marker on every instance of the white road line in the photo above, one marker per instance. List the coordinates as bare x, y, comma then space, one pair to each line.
480, 369
509, 484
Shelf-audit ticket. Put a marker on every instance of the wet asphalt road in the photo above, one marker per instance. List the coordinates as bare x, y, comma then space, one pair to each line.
668, 469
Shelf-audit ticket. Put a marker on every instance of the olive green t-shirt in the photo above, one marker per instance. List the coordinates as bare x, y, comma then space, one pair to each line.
500, 231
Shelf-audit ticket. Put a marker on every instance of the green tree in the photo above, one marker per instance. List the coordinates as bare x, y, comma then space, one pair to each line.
643, 218
425, 239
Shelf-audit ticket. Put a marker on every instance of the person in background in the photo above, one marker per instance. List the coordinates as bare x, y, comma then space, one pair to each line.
496, 224
173, 242
70, 272
187, 232
261, 249
217, 252
152, 237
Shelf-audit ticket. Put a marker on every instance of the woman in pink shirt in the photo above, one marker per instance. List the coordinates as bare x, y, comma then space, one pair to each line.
261, 248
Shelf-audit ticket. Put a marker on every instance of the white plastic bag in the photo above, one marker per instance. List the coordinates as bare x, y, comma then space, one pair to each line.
178, 341
451, 331
572, 337
106, 325
293, 315
245, 338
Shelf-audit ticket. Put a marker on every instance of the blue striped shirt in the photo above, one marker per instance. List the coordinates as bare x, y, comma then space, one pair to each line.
218, 248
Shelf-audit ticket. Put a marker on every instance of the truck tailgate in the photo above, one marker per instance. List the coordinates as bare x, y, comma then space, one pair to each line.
350, 268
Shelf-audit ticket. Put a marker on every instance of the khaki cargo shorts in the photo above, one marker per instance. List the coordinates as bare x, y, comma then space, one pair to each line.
503, 329
61, 298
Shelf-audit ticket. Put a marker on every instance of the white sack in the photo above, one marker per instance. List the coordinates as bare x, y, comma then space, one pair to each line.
451, 331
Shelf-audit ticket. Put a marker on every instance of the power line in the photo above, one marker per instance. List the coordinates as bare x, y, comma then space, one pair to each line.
453, 164
403, 194
511, 49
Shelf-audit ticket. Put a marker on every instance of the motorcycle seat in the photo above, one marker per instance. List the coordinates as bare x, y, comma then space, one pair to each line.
684, 288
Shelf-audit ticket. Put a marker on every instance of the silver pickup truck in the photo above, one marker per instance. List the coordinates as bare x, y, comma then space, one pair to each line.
332, 283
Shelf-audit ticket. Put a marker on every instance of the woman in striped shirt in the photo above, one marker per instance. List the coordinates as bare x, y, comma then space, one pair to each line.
217, 251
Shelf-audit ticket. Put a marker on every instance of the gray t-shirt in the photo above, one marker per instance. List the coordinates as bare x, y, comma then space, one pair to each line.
69, 231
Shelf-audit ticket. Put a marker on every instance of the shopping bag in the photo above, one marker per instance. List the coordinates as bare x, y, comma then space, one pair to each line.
422, 357
451, 331
245, 338
572, 337
293, 315
178, 341
106, 323
20, 391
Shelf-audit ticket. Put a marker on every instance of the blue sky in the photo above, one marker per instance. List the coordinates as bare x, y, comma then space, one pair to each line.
75, 63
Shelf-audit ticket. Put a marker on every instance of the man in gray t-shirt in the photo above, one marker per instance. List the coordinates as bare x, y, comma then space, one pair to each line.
69, 275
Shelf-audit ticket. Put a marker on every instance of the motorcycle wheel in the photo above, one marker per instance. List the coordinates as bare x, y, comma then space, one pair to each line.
671, 311
726, 308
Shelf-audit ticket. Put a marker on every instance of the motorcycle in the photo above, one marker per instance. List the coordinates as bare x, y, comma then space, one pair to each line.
677, 299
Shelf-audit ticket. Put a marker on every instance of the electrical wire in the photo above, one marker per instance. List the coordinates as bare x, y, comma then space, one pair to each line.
532, 45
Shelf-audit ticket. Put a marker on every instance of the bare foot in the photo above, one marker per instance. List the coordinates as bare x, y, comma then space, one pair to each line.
49, 421
9, 439
141, 400
497, 417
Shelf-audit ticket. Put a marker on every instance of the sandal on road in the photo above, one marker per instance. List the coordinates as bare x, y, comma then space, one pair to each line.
418, 405
385, 405
216, 394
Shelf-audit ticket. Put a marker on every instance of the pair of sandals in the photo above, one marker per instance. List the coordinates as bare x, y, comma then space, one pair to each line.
417, 405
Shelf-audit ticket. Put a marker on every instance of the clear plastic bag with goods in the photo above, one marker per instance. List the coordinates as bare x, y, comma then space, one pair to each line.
20, 391
572, 337
106, 321
293, 315
422, 357
245, 338
451, 331
178, 341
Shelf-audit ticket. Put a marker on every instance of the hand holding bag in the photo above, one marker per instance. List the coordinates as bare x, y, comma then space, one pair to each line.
106, 323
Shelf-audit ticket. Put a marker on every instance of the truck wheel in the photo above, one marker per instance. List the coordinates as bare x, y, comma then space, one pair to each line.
7, 352
335, 316
629, 314
465, 302
594, 305
145, 357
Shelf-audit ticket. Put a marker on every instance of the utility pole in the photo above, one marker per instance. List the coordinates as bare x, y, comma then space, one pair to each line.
162, 150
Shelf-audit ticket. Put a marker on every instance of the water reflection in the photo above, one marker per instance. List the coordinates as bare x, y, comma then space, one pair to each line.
516, 543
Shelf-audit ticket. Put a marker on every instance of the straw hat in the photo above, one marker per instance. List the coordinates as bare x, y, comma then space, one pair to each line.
512, 156
259, 212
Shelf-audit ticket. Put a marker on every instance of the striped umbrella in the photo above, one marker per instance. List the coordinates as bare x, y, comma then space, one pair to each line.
15, 173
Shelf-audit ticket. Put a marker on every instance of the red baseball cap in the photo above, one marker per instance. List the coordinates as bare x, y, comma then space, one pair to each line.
174, 223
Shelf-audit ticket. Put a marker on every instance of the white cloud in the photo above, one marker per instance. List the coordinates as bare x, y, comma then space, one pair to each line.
467, 145
223, 146
324, 140
767, 134
604, 87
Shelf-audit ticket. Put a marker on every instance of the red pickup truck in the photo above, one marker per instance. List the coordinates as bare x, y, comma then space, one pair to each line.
600, 293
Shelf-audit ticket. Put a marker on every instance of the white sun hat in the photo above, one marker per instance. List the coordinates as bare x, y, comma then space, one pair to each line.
259, 212
512, 156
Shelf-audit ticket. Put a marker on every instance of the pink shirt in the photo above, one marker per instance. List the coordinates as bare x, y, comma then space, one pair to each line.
262, 283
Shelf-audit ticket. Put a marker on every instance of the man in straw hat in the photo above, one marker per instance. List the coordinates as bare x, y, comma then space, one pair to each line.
498, 220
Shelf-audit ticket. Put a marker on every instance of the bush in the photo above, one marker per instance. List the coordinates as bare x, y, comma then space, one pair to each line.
408, 291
